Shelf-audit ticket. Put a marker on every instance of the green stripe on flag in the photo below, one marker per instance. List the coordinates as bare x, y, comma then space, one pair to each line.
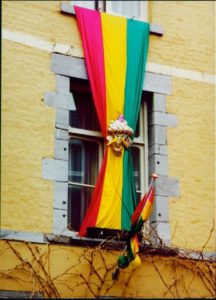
137, 49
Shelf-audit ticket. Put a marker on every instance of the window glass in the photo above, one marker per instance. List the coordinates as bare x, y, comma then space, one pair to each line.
135, 151
83, 161
83, 170
87, 4
137, 132
78, 200
85, 116
126, 8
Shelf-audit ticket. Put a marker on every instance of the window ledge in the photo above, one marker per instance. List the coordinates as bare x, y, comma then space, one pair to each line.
145, 249
114, 244
154, 28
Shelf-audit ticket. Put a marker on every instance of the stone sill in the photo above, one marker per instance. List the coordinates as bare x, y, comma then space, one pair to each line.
145, 249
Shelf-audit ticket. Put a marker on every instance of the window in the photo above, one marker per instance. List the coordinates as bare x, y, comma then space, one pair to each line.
85, 152
98, 5
131, 9
86, 148
155, 159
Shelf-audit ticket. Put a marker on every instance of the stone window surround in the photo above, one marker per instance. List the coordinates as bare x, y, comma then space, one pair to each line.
56, 168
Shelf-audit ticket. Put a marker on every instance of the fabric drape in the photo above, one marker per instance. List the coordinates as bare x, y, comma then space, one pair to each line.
115, 50
137, 49
91, 33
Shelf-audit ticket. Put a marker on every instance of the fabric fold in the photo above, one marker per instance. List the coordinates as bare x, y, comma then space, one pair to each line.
115, 50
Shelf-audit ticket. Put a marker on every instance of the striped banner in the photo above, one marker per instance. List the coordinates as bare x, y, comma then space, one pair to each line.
115, 50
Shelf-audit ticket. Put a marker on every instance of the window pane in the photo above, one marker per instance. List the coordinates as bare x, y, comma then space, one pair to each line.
136, 164
126, 8
87, 4
83, 169
78, 201
83, 161
138, 194
137, 132
85, 116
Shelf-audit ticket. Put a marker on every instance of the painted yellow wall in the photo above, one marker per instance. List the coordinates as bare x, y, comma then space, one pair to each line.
191, 159
28, 124
67, 272
45, 22
188, 40
28, 129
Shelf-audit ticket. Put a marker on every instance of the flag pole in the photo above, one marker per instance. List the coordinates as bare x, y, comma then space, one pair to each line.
154, 177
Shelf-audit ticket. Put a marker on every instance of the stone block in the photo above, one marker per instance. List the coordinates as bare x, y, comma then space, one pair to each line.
158, 164
62, 101
61, 195
62, 118
68, 66
157, 135
60, 217
167, 186
159, 102
161, 209
163, 230
157, 83
61, 134
163, 119
54, 169
61, 149
158, 149
62, 84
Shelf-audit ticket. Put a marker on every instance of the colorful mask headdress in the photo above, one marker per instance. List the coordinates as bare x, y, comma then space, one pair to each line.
119, 135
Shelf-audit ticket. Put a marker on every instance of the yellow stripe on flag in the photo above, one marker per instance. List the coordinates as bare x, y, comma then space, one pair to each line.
147, 211
114, 42
111, 199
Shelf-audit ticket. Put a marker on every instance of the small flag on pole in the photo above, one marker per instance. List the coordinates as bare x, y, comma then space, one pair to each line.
139, 217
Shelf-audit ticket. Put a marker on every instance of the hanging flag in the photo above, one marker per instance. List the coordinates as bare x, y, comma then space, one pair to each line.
115, 50
144, 208
139, 217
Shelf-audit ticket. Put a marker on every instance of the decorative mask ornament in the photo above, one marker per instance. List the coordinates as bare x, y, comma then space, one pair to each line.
119, 134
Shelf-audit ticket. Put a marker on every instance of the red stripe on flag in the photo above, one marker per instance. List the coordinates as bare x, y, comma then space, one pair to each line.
138, 211
91, 217
91, 32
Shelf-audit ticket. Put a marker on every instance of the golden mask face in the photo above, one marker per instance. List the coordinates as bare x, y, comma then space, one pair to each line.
119, 134
117, 146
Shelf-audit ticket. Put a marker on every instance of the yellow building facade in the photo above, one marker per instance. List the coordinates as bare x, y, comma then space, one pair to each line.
32, 31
